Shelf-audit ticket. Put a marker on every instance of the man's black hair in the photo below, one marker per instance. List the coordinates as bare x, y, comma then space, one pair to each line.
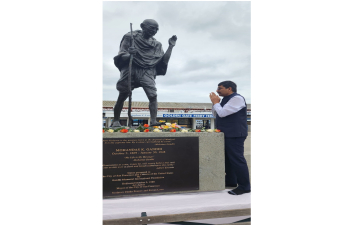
228, 84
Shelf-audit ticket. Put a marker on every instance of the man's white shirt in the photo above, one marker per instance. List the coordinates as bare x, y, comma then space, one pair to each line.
235, 104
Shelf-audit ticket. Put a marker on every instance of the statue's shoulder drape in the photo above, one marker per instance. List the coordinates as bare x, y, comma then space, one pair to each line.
149, 53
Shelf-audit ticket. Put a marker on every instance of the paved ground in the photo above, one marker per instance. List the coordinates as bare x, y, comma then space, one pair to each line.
217, 221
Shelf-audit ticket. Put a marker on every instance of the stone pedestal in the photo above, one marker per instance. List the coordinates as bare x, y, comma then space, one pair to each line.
211, 156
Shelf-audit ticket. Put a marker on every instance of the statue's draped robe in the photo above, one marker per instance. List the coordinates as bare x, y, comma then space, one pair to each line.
147, 60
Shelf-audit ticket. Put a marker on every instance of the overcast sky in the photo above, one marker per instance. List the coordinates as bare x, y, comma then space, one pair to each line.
213, 45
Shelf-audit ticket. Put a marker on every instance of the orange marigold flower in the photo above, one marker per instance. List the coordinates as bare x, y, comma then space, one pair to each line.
198, 130
173, 130
124, 130
217, 130
146, 130
146, 125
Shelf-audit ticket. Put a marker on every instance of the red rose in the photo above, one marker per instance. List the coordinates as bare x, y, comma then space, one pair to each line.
124, 131
146, 125
197, 130
103, 131
147, 130
172, 130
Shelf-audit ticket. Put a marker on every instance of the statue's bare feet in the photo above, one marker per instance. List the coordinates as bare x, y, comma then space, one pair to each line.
156, 124
116, 124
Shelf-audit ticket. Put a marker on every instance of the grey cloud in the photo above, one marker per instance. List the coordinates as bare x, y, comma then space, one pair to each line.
198, 64
228, 20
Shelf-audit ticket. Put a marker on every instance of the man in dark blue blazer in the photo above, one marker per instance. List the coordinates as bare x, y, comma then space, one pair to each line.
231, 119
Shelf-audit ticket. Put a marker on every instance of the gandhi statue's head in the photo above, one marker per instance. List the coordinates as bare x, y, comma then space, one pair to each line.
149, 28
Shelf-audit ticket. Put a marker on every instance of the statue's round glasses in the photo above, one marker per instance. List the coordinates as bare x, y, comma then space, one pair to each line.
154, 28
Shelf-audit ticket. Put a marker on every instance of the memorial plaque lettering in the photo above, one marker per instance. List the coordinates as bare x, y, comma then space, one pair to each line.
150, 165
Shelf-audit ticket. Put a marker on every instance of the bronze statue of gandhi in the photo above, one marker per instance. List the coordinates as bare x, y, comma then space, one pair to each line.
149, 61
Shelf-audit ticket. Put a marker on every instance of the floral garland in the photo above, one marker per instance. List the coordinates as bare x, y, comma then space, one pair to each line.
168, 127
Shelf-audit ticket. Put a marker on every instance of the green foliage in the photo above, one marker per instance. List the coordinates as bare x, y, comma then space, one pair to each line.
118, 129
141, 128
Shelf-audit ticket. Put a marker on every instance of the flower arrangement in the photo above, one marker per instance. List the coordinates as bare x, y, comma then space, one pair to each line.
168, 127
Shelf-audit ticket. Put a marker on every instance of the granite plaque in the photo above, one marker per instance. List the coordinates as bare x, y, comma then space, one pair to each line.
150, 165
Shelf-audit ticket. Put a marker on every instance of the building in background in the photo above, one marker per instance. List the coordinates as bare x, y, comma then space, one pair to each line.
189, 115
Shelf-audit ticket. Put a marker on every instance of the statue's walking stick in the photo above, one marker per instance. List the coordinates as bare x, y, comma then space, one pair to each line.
129, 79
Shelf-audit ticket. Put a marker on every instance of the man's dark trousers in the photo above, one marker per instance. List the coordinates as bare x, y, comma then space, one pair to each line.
235, 164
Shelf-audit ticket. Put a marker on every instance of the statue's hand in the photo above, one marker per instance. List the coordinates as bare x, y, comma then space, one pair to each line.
172, 40
132, 50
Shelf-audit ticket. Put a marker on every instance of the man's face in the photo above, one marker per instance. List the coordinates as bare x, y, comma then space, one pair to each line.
150, 29
222, 91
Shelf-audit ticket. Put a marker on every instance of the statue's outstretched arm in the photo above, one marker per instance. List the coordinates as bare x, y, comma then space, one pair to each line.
172, 42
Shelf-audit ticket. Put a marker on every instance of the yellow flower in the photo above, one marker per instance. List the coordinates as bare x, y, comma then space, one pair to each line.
155, 127
173, 125
166, 127
156, 130
209, 130
184, 131
136, 131
110, 130
168, 124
